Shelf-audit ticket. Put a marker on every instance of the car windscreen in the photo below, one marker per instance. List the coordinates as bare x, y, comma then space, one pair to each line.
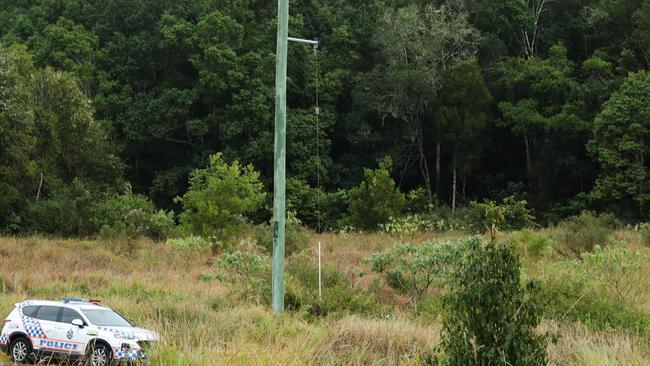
106, 318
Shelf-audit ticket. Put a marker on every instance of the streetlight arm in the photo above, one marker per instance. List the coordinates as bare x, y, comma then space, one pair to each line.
300, 40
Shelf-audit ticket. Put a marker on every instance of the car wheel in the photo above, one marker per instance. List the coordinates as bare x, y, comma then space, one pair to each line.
99, 355
21, 350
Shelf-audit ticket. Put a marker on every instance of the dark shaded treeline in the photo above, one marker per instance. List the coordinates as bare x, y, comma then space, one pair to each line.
173, 82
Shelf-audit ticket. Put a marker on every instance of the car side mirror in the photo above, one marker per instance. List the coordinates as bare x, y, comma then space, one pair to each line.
78, 322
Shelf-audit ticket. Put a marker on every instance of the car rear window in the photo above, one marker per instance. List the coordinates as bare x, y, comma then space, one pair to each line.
29, 310
50, 313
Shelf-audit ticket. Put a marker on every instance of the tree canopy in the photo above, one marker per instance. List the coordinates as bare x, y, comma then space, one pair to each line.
470, 99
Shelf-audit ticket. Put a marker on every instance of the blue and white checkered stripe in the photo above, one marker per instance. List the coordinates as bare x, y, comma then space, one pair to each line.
33, 327
23, 304
128, 355
4, 339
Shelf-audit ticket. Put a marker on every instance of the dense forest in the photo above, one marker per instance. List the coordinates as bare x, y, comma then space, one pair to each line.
471, 100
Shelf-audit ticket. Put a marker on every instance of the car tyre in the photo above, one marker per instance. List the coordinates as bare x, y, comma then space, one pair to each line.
99, 355
21, 351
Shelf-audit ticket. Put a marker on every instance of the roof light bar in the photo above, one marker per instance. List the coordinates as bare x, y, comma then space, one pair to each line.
92, 300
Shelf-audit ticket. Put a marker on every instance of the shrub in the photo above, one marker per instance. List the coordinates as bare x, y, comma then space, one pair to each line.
218, 198
417, 202
188, 247
619, 272
161, 225
532, 244
339, 297
579, 234
117, 239
69, 212
489, 318
413, 269
511, 214
376, 199
132, 215
567, 295
406, 225
249, 273
296, 238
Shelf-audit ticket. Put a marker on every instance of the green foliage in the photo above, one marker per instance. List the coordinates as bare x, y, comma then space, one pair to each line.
160, 84
376, 199
188, 246
296, 238
413, 269
532, 244
134, 216
489, 318
567, 296
618, 271
579, 234
70, 212
339, 297
218, 198
621, 135
250, 275
405, 226
511, 214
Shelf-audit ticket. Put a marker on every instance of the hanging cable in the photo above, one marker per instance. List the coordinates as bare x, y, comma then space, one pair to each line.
318, 162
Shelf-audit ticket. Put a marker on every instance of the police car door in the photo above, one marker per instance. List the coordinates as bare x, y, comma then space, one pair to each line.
73, 338
42, 329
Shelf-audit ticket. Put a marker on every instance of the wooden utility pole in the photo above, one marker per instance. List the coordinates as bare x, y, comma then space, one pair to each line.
280, 159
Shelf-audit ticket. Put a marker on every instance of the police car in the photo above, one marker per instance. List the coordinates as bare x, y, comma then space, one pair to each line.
72, 329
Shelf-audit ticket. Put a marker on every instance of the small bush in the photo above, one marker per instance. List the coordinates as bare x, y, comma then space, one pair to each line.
249, 273
188, 247
296, 238
567, 295
413, 269
376, 199
532, 244
618, 271
132, 215
217, 200
68, 212
161, 225
405, 226
116, 238
489, 318
511, 214
339, 297
579, 234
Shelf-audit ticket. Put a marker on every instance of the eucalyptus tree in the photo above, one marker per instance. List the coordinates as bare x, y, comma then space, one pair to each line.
416, 45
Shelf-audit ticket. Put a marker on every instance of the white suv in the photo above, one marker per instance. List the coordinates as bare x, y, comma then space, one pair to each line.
72, 329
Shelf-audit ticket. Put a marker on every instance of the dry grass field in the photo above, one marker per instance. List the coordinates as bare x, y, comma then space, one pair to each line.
202, 323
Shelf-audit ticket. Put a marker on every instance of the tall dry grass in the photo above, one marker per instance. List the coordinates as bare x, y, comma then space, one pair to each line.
201, 325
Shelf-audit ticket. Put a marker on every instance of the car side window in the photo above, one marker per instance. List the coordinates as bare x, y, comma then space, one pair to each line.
50, 313
29, 310
69, 315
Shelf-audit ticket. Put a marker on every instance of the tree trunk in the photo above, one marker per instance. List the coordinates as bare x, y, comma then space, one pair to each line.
424, 166
438, 167
453, 183
529, 163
